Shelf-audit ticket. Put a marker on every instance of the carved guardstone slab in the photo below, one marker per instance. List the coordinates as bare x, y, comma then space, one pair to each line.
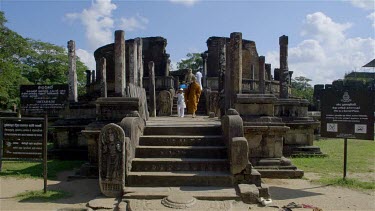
112, 160
165, 103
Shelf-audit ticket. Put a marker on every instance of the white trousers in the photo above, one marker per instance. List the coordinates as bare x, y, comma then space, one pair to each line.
180, 110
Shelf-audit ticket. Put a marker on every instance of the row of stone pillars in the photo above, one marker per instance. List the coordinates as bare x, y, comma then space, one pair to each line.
233, 74
92, 76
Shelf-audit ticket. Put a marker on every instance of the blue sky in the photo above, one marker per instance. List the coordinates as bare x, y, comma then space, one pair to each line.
326, 38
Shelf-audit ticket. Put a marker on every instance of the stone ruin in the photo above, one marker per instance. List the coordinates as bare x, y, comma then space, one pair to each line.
260, 120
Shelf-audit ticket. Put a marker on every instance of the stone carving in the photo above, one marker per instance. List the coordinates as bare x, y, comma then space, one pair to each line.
165, 103
112, 160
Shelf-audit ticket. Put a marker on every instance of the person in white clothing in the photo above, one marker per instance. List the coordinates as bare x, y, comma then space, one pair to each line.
181, 103
198, 76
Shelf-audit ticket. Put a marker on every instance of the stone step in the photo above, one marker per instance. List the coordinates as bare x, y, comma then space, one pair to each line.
179, 164
170, 140
181, 178
218, 152
182, 130
212, 193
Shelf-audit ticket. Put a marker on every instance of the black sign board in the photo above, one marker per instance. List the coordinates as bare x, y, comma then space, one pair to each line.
23, 138
41, 99
347, 113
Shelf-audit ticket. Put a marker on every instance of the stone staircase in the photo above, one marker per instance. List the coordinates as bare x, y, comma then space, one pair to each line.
180, 155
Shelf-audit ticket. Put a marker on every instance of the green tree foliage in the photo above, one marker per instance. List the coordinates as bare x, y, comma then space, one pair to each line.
27, 61
194, 61
302, 88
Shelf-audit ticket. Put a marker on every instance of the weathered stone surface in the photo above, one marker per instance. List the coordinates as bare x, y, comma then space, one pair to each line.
119, 58
262, 72
102, 203
103, 81
154, 49
164, 103
73, 89
142, 205
249, 193
179, 201
133, 128
112, 160
235, 67
284, 70
139, 61
239, 155
151, 89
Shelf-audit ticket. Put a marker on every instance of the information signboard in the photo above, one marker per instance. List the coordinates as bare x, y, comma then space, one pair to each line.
23, 139
347, 113
41, 99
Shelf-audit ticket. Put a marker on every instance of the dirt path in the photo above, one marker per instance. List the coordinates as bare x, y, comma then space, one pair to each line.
283, 192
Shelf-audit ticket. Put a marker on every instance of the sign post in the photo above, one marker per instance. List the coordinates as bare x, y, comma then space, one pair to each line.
347, 114
25, 138
45, 136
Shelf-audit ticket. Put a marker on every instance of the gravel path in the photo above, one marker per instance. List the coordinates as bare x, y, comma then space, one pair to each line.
283, 192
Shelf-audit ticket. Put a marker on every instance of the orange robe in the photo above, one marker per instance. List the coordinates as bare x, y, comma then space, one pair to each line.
192, 95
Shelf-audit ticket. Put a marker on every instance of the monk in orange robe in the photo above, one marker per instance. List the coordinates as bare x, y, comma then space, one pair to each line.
192, 95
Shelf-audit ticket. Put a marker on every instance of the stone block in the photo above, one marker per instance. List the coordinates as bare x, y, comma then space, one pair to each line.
255, 109
239, 155
249, 193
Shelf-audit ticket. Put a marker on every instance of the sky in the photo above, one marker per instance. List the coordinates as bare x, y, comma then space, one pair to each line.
327, 38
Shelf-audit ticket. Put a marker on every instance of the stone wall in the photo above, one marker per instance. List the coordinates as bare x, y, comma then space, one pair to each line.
154, 50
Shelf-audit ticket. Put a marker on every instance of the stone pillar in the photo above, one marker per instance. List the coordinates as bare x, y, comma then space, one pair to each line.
268, 72
151, 88
222, 66
284, 70
252, 76
133, 69
139, 61
235, 68
262, 71
119, 51
204, 71
73, 91
93, 76
98, 73
88, 80
103, 82
167, 64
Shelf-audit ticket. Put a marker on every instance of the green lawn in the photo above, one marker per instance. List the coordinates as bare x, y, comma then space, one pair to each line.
29, 169
361, 161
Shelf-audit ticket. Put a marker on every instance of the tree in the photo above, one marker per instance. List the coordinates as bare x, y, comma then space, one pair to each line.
302, 88
27, 61
194, 62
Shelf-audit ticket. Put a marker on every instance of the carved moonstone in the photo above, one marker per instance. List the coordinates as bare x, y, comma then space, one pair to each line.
179, 201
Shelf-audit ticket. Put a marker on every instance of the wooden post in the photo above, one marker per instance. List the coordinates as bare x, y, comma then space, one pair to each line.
45, 151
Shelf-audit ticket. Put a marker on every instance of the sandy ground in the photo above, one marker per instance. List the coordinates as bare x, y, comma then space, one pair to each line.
283, 191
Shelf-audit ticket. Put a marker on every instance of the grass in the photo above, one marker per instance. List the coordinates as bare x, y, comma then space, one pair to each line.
361, 160
39, 195
29, 169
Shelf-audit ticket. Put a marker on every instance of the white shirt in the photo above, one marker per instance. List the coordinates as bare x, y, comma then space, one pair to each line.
198, 76
181, 100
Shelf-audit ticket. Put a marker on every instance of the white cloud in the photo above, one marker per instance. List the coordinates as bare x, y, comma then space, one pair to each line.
188, 3
87, 58
372, 18
363, 4
98, 22
324, 29
327, 54
134, 23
